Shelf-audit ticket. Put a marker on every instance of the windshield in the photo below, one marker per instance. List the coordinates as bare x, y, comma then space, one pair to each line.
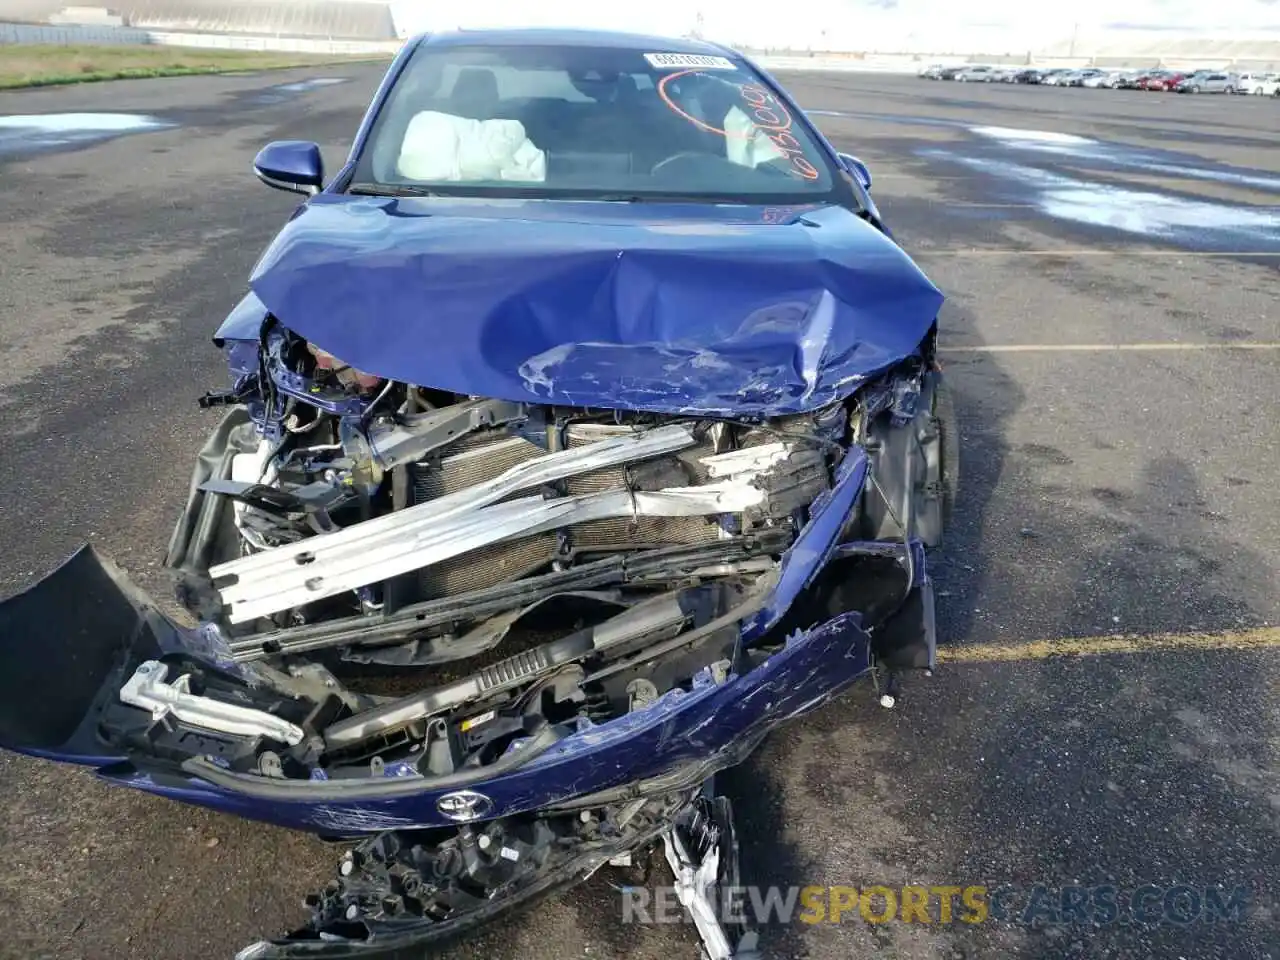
589, 122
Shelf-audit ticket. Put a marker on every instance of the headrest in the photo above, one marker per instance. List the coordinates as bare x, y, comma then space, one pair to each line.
475, 85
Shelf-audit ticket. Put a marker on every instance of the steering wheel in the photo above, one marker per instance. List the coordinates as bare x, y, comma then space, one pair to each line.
662, 165
770, 167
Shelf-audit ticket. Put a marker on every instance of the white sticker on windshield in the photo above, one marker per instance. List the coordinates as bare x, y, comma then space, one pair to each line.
665, 61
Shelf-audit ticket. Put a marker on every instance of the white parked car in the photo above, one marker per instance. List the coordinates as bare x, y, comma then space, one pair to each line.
1108, 78
1258, 84
979, 74
1080, 77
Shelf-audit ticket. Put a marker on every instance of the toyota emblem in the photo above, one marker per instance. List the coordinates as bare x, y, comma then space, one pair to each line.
464, 805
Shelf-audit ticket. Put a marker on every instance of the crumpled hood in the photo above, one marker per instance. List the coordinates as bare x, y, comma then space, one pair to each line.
680, 308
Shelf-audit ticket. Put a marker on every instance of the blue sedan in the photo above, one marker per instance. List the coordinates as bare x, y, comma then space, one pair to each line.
583, 427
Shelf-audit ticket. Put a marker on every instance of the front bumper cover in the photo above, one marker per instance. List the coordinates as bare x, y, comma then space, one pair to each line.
82, 630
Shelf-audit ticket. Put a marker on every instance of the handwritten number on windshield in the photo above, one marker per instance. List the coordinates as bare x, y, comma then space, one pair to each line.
766, 114
773, 118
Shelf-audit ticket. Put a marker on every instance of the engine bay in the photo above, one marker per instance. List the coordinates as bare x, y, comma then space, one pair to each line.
395, 581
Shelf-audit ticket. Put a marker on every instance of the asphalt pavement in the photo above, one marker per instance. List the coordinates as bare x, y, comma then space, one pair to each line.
1104, 491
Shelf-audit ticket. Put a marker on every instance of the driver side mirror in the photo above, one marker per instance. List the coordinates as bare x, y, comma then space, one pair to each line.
293, 165
856, 167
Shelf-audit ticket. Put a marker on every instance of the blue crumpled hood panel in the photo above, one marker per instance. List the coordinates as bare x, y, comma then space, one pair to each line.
688, 308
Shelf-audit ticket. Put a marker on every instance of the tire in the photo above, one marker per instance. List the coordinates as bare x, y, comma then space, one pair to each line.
916, 467
1194, 90
944, 409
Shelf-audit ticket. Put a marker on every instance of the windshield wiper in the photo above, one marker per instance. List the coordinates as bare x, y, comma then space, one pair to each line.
659, 198
392, 190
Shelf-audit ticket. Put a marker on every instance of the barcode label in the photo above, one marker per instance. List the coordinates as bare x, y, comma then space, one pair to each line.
665, 61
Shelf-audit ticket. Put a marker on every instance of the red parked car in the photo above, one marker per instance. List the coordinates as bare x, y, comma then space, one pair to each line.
1163, 80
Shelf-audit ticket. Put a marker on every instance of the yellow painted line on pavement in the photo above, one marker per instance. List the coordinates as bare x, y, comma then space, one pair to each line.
1261, 638
1110, 347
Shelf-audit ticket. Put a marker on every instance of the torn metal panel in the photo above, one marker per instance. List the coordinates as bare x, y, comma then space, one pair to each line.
696, 733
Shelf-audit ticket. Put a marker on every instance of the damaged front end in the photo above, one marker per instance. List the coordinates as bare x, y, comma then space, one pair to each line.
495, 643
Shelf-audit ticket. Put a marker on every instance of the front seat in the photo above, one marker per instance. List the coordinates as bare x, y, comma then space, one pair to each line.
475, 93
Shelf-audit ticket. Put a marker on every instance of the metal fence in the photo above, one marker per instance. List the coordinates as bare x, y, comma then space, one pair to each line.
230, 41
66, 36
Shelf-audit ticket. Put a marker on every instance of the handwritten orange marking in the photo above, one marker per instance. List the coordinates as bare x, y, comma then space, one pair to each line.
766, 109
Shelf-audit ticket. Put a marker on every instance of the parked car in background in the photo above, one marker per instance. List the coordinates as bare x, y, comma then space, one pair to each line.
1072, 78
1028, 75
975, 74
949, 73
1079, 77
931, 72
1207, 83
1258, 84
1004, 74
1163, 80
1105, 78
1056, 77
1133, 79
978, 74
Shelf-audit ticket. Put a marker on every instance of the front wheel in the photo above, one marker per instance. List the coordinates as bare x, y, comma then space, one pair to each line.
916, 466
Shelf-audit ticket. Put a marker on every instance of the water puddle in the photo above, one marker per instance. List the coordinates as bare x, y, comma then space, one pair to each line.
305, 86
1102, 155
33, 133
286, 91
1186, 221
1049, 171
1036, 139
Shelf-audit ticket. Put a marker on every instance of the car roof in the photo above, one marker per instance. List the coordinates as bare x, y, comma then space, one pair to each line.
573, 37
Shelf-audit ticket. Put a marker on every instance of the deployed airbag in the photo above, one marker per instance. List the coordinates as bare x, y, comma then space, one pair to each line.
440, 147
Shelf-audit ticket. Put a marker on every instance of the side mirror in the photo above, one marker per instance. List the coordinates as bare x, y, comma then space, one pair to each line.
292, 165
859, 169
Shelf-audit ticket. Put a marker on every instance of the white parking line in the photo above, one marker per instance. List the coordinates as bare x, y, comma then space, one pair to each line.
1109, 347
